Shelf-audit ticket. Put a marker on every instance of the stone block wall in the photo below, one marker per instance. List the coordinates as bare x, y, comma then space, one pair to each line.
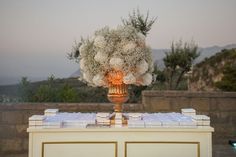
14, 121
220, 106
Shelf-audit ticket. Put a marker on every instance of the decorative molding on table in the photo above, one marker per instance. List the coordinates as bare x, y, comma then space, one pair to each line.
82, 142
161, 142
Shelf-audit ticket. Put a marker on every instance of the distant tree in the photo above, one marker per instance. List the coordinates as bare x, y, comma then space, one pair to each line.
135, 93
139, 21
159, 74
46, 92
228, 82
74, 54
25, 90
51, 78
159, 79
178, 61
67, 94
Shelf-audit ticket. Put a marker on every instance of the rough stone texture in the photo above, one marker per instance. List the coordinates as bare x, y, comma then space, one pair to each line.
15, 155
21, 131
220, 106
223, 151
25, 144
9, 145
12, 117
14, 121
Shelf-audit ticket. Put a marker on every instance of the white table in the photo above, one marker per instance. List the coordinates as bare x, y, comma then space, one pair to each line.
121, 142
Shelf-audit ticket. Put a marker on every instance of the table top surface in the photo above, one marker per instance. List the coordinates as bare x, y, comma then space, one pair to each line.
54, 121
124, 129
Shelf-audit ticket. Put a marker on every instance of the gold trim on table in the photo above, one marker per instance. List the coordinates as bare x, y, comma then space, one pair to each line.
82, 142
162, 142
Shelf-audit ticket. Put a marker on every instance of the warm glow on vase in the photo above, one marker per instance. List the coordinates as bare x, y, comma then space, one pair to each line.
117, 90
117, 93
115, 77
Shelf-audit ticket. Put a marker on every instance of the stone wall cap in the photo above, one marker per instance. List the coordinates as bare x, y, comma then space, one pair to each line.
202, 94
43, 106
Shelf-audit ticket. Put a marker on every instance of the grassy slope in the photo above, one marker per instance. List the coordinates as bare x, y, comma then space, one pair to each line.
211, 69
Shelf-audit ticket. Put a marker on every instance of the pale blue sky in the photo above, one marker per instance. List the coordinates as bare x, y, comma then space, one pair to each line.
36, 35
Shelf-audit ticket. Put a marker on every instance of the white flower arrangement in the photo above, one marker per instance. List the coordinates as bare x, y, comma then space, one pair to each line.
129, 79
121, 50
116, 63
129, 47
101, 57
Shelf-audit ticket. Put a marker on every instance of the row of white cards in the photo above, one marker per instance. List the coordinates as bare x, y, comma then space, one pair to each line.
103, 118
51, 112
36, 120
163, 120
188, 118
52, 118
201, 120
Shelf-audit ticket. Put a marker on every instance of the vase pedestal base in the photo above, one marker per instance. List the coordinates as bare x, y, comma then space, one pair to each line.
117, 118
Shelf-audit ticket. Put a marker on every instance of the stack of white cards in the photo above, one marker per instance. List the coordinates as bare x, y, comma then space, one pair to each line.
135, 116
36, 121
52, 122
135, 120
75, 123
118, 119
52, 125
136, 124
152, 120
199, 120
188, 111
78, 120
202, 120
103, 118
50, 112
187, 121
168, 120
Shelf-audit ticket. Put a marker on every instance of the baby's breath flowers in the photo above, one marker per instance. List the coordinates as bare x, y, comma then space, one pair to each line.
121, 50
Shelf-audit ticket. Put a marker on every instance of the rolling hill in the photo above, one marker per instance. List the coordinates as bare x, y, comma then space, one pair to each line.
207, 73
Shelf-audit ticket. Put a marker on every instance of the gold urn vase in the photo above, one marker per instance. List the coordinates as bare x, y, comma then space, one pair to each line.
117, 94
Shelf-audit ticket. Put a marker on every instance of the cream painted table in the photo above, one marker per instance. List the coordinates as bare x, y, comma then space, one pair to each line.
121, 142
